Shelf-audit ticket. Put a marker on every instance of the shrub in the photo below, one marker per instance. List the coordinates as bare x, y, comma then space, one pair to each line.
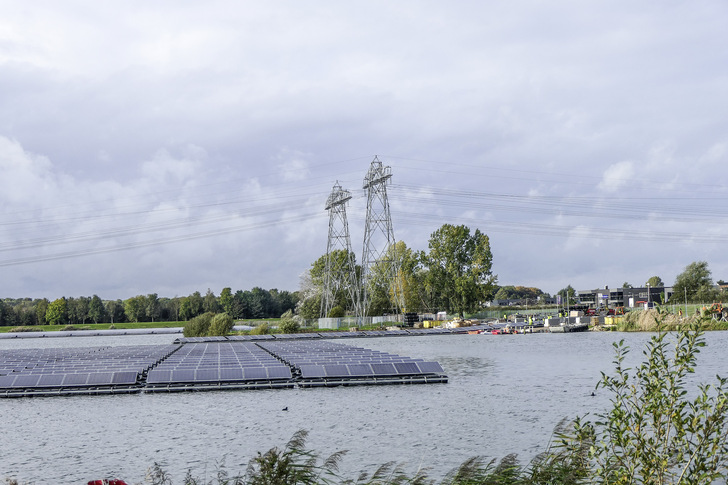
289, 326
293, 465
261, 329
198, 326
221, 325
336, 312
654, 433
25, 329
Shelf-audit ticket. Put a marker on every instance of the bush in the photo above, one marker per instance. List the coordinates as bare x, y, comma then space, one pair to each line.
654, 433
289, 326
221, 325
25, 329
336, 312
198, 326
261, 329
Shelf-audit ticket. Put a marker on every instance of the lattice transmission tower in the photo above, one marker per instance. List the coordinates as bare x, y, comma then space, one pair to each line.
379, 244
340, 270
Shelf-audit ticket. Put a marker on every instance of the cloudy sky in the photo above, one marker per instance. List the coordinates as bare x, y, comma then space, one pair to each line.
174, 146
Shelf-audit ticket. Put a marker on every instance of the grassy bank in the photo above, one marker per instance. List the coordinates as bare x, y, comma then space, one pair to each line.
653, 320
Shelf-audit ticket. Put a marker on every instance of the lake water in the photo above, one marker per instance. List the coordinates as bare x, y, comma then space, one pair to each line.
505, 395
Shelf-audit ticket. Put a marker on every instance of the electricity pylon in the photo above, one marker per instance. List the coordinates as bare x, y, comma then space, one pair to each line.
340, 270
379, 242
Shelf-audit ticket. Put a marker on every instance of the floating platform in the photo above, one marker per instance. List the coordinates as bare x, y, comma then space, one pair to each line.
213, 364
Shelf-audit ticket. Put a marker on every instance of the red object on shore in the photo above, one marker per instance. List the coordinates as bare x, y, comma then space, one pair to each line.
107, 482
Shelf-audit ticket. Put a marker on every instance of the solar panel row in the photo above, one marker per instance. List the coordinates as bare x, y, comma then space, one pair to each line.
332, 360
93, 379
35, 370
223, 362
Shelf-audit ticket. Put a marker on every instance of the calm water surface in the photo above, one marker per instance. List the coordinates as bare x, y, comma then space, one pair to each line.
505, 395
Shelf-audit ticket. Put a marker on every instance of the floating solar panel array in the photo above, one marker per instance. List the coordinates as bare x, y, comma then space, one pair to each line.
219, 365
86, 370
326, 363
205, 364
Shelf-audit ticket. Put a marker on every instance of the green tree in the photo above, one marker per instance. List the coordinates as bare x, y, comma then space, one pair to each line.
567, 292
41, 309
655, 282
135, 308
57, 313
96, 311
382, 291
115, 311
226, 300
210, 304
459, 267
626, 285
78, 309
191, 306
151, 306
340, 266
694, 283
309, 308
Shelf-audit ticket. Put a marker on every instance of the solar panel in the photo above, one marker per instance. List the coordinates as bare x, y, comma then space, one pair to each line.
50, 380
383, 369
406, 368
231, 374
206, 375
360, 370
159, 376
100, 378
75, 379
428, 367
336, 370
312, 371
183, 375
279, 372
26, 381
253, 373
124, 377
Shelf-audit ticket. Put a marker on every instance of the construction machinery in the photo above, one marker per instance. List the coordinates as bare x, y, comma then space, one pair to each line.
717, 312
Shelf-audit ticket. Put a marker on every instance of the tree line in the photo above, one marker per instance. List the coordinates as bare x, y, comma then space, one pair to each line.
248, 304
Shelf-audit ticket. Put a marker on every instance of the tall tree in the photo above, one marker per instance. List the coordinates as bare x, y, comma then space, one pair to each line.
694, 283
151, 306
78, 309
209, 304
96, 310
135, 308
655, 282
41, 308
567, 292
460, 267
312, 285
226, 300
57, 313
115, 310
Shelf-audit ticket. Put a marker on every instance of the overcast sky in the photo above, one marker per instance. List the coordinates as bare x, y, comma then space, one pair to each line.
173, 146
